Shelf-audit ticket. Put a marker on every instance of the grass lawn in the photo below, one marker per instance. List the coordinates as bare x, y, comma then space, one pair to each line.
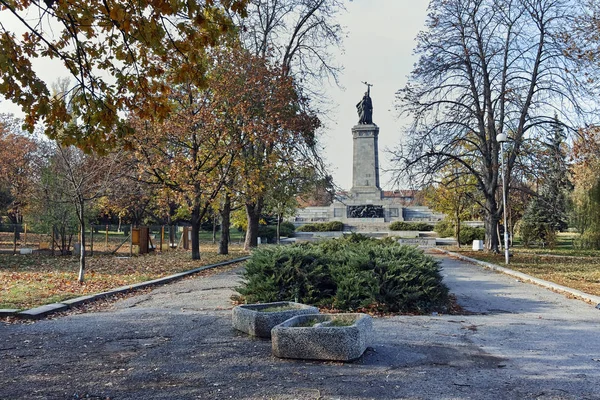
28, 281
565, 265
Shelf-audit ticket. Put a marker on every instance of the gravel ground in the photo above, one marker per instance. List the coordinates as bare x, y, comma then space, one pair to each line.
518, 341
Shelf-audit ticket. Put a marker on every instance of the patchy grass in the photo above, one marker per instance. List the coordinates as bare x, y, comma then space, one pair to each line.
573, 268
28, 281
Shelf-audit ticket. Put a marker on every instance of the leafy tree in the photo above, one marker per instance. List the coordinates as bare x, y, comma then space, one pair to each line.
297, 37
18, 154
456, 196
586, 193
485, 67
116, 52
548, 211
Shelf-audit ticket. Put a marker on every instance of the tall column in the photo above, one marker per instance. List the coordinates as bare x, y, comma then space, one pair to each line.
365, 172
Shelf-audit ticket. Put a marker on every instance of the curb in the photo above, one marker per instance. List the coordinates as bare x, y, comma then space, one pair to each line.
47, 309
588, 298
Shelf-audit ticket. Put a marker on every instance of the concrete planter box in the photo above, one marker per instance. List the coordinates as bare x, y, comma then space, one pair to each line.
323, 340
251, 319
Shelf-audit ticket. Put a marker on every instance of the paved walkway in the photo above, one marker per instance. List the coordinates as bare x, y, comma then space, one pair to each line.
176, 342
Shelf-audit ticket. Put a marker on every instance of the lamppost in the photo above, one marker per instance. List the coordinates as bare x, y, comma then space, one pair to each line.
503, 138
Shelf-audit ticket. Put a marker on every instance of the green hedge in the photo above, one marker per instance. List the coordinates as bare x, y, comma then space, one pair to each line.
333, 226
444, 228
410, 226
469, 233
347, 274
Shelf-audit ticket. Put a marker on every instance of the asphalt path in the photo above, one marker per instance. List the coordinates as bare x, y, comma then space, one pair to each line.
517, 341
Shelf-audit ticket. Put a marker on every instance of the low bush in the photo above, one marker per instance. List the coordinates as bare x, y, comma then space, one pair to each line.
410, 226
268, 231
445, 228
348, 274
286, 229
469, 233
332, 226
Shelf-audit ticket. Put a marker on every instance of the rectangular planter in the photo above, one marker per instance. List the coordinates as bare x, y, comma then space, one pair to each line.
323, 340
253, 320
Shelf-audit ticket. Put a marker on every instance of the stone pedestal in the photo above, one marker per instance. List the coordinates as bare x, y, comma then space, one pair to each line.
365, 172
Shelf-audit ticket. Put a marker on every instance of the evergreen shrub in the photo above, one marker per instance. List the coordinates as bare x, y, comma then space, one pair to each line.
470, 233
267, 231
445, 228
286, 229
332, 226
349, 274
410, 226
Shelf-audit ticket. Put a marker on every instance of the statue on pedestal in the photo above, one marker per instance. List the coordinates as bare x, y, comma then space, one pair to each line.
365, 107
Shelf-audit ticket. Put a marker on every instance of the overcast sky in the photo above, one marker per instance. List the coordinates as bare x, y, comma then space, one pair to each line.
378, 49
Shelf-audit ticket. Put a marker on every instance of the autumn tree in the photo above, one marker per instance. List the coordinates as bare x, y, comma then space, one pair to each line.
455, 195
116, 52
297, 37
548, 211
17, 154
586, 181
485, 67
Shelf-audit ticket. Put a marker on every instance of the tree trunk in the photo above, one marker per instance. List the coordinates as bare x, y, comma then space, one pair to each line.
278, 226
253, 211
196, 233
225, 222
491, 225
214, 229
82, 245
457, 229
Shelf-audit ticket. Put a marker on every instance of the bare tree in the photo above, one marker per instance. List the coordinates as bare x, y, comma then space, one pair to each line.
83, 178
486, 67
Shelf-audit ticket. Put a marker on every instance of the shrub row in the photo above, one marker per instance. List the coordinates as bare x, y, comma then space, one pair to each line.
445, 228
332, 226
410, 226
347, 274
286, 229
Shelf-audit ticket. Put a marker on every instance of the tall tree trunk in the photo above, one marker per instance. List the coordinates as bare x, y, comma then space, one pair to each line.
225, 222
278, 227
214, 229
253, 210
491, 225
457, 229
196, 233
81, 244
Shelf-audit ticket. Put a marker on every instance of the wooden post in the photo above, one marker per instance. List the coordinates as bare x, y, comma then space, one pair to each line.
91, 240
162, 236
106, 245
53, 239
131, 240
25, 238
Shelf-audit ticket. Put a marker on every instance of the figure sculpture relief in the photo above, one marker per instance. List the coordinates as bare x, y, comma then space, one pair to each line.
365, 107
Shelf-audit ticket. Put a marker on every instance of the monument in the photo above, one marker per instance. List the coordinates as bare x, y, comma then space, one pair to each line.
367, 208
365, 154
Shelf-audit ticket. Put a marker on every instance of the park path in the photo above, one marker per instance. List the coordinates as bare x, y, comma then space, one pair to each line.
518, 341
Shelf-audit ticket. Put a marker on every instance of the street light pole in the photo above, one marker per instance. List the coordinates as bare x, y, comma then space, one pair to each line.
503, 138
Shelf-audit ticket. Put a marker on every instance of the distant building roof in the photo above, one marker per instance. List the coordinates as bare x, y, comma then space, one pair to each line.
400, 194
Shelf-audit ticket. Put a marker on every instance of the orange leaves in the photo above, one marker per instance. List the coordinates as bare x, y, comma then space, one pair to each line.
133, 41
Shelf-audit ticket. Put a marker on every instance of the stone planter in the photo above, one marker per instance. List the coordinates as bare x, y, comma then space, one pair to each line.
259, 319
340, 337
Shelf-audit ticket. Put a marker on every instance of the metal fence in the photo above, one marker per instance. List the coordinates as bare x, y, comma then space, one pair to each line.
104, 239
